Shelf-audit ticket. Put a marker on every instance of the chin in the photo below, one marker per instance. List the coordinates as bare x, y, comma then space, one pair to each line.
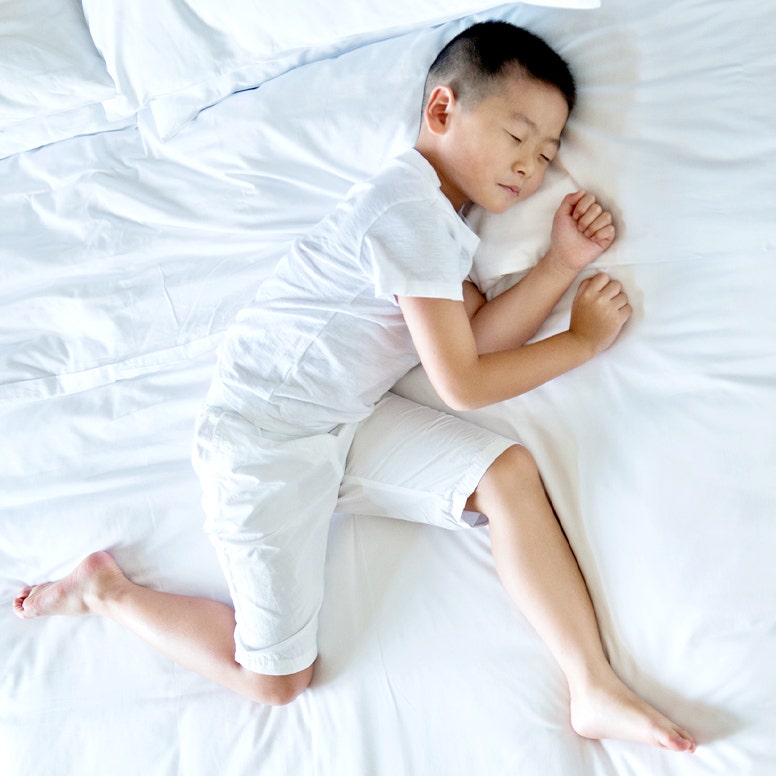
496, 204
499, 208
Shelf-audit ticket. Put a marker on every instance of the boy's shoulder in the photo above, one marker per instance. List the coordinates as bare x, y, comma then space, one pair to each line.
405, 178
403, 184
404, 205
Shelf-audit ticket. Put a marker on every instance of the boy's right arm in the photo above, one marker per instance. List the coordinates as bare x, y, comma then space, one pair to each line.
582, 230
466, 379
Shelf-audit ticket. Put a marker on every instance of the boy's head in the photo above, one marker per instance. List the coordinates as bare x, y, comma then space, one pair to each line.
473, 63
496, 100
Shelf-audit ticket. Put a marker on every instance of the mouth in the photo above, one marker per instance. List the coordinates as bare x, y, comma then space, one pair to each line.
512, 191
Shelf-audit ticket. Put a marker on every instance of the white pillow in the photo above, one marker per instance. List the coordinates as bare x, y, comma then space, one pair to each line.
178, 56
53, 79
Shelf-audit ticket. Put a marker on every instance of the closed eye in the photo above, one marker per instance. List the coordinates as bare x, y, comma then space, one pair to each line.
515, 138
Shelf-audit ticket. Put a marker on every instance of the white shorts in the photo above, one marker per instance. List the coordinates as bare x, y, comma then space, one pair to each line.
269, 497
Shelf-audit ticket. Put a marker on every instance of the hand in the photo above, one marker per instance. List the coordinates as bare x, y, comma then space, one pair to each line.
581, 231
599, 311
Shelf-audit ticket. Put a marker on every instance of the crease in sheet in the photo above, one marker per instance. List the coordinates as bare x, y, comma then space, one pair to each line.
84, 380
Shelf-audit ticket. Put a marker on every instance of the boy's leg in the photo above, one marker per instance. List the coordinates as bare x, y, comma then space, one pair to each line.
411, 462
270, 535
268, 499
197, 633
540, 573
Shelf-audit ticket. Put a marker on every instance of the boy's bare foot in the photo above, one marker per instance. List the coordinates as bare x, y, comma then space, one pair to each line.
77, 593
611, 710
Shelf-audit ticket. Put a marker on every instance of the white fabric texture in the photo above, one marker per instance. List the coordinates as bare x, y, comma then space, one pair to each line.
53, 79
124, 259
324, 338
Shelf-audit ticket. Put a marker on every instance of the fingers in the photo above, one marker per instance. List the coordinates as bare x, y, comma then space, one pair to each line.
592, 220
599, 311
612, 289
573, 199
597, 283
605, 288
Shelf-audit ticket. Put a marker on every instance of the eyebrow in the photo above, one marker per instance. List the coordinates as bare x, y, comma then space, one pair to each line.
532, 124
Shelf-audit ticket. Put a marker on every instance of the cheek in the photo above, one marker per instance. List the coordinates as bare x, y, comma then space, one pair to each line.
536, 181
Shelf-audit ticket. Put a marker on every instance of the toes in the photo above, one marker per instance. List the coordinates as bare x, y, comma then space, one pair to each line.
688, 744
677, 740
18, 603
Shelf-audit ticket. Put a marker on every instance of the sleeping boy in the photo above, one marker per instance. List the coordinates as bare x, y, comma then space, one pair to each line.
300, 421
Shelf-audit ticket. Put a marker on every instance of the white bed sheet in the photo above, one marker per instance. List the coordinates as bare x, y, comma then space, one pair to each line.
122, 260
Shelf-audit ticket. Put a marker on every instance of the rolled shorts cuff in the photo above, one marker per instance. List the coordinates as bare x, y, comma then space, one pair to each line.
289, 657
471, 478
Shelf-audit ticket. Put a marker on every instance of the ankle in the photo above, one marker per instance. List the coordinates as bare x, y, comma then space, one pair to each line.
106, 595
588, 678
105, 584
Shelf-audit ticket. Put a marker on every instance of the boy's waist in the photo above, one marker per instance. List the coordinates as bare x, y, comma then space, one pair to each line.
283, 415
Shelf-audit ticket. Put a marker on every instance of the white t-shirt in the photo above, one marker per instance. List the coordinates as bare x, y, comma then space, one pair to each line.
324, 338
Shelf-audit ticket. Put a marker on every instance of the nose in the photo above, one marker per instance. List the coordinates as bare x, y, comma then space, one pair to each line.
524, 165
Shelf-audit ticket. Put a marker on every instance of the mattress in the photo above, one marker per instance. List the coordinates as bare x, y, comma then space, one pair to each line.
141, 203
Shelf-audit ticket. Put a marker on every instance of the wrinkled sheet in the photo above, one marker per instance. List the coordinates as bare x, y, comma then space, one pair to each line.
123, 258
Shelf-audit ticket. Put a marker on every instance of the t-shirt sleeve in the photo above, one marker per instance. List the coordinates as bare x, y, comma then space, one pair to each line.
415, 249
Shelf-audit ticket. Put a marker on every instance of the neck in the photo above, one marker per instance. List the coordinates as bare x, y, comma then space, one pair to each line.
429, 152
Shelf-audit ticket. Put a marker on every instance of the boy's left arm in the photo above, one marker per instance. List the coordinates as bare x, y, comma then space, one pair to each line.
581, 231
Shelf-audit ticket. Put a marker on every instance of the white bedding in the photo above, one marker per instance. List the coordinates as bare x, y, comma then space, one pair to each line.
123, 257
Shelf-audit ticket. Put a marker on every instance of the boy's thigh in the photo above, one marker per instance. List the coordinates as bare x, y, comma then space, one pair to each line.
414, 463
268, 503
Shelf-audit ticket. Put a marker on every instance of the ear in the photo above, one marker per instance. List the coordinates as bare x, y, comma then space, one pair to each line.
438, 109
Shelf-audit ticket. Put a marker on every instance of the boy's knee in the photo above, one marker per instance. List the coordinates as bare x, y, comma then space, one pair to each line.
276, 690
514, 469
515, 464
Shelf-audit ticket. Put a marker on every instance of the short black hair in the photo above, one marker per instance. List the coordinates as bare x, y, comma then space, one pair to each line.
472, 62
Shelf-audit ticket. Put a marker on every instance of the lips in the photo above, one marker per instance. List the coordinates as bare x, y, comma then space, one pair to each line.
513, 191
